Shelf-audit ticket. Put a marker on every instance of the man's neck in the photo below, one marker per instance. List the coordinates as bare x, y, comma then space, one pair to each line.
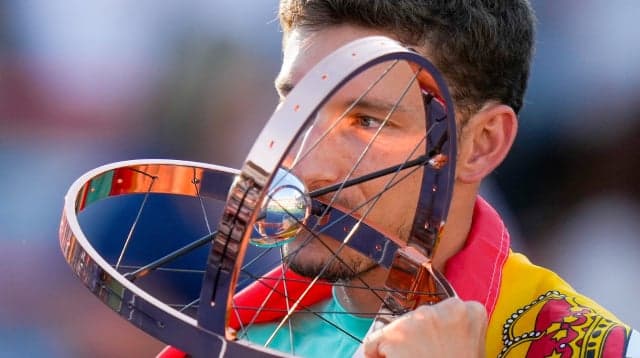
457, 225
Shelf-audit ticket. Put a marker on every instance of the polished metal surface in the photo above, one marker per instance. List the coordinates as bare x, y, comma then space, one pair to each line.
284, 212
124, 297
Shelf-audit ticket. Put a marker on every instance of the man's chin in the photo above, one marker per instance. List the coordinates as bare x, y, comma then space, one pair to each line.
311, 263
316, 258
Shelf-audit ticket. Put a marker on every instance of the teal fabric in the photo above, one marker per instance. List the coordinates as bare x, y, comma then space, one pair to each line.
312, 336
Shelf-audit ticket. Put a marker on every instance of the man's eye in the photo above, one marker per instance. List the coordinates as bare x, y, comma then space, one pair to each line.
369, 122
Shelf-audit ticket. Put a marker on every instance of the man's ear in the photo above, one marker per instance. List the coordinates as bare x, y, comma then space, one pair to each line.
485, 141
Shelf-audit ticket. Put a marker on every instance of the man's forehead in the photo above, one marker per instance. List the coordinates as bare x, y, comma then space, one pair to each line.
305, 48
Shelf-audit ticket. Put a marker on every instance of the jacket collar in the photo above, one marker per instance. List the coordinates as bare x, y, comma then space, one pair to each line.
475, 272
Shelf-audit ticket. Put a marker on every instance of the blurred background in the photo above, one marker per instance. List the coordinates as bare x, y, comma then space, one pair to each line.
85, 83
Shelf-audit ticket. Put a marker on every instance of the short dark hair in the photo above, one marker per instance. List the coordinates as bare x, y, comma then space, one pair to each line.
483, 47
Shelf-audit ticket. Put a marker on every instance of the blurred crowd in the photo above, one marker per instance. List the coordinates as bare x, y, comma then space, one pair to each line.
84, 83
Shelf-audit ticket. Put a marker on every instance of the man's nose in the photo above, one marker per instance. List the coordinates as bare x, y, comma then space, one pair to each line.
316, 159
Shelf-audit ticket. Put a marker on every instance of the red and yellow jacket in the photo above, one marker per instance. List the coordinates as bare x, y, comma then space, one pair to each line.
533, 312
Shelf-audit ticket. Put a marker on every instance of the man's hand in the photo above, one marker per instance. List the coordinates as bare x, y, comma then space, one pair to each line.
451, 328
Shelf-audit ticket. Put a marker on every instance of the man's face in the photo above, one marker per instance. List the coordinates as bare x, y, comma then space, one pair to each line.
332, 148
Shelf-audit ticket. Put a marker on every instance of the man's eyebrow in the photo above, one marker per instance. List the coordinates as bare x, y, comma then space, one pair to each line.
284, 86
375, 104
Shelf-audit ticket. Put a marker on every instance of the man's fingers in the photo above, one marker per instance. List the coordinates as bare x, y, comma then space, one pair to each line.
371, 342
429, 329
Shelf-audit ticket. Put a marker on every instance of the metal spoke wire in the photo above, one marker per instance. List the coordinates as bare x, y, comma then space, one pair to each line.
157, 264
165, 269
135, 222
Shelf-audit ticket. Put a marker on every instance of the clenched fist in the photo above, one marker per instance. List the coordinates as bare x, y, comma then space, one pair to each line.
451, 328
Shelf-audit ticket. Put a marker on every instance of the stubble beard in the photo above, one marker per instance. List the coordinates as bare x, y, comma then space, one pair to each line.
315, 260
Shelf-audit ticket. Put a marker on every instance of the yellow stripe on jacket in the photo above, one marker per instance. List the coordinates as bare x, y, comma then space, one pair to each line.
539, 315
